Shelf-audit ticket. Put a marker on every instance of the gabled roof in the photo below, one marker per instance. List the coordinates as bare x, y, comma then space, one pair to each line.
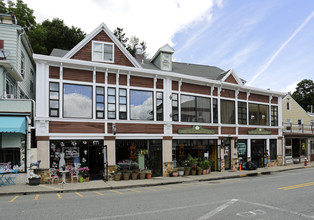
208, 72
166, 48
89, 37
231, 77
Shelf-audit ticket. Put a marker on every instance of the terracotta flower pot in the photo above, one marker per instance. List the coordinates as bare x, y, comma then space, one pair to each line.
204, 172
175, 174
148, 175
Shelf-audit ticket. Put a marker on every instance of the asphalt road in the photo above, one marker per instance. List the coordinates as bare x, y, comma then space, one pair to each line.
284, 195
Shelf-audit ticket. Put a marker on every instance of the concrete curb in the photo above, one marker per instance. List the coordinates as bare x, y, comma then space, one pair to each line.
160, 183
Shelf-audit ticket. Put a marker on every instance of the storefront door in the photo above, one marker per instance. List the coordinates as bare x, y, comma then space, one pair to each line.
227, 153
242, 151
96, 162
258, 148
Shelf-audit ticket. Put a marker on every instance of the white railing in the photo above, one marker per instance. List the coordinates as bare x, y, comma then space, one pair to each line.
298, 128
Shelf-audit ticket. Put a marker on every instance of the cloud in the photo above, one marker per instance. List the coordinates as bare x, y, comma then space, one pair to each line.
291, 87
274, 56
143, 111
77, 105
155, 22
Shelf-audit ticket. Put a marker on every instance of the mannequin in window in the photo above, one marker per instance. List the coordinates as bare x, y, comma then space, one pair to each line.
62, 161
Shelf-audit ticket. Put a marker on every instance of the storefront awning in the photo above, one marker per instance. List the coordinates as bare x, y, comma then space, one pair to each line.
12, 124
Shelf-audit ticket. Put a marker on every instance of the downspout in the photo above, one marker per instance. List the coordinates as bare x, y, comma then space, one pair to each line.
18, 54
28, 145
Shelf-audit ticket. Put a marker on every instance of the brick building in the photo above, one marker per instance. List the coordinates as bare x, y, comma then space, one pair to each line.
98, 95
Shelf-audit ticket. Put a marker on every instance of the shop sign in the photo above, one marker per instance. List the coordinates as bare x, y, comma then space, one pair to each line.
196, 130
259, 131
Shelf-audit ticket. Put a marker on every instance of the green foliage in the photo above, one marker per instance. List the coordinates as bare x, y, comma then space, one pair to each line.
304, 94
118, 32
54, 34
23, 14
3, 8
129, 44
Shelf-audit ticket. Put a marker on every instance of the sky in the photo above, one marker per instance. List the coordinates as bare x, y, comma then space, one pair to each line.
268, 43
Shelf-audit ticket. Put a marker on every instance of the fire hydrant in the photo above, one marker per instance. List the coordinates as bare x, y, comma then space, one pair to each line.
305, 162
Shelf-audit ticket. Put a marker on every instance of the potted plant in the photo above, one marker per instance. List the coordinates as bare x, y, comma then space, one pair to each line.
181, 171
117, 174
148, 174
126, 174
135, 174
199, 171
174, 173
84, 172
34, 179
142, 174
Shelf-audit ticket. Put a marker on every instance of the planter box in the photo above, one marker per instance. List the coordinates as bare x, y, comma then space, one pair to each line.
34, 181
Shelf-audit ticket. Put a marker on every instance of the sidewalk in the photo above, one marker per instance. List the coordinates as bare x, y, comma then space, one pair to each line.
101, 185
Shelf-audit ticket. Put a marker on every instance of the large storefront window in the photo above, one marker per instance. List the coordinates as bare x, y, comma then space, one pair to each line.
147, 154
78, 153
196, 148
77, 101
195, 109
12, 149
227, 112
258, 114
141, 105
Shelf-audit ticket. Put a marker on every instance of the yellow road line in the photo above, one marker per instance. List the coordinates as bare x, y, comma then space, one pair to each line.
133, 190
79, 194
99, 193
115, 191
149, 189
297, 186
12, 200
59, 196
36, 197
162, 187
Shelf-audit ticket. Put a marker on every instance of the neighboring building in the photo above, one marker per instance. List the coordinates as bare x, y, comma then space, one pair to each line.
96, 101
298, 131
17, 78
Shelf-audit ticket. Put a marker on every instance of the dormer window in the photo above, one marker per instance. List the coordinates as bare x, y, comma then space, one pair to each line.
103, 51
165, 62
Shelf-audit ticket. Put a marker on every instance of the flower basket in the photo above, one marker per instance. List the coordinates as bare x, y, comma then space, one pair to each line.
142, 175
126, 176
117, 176
187, 171
34, 181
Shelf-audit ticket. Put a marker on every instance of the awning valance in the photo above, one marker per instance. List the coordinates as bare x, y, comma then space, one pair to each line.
12, 124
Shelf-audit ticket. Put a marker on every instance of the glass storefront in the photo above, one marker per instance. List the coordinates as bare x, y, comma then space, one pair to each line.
12, 149
78, 153
196, 148
147, 154
242, 151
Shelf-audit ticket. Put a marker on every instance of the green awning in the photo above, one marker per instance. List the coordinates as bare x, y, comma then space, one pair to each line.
12, 124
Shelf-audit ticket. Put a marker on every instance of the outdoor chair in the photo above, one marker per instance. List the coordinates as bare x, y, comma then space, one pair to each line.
53, 177
11, 178
75, 174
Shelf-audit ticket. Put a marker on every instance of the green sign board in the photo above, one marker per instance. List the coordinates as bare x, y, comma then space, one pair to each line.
259, 131
196, 130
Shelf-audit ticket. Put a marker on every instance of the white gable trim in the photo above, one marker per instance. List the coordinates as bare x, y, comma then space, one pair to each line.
102, 27
235, 76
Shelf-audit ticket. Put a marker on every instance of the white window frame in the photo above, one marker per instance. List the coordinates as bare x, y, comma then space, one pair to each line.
102, 49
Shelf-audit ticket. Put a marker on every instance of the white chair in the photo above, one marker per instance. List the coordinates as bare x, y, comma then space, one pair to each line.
53, 176
75, 174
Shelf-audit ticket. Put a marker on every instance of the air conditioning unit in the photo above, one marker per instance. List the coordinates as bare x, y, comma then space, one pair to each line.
10, 96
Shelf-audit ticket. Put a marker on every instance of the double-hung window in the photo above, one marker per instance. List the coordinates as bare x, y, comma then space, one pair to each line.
100, 102
122, 104
111, 103
103, 51
54, 99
